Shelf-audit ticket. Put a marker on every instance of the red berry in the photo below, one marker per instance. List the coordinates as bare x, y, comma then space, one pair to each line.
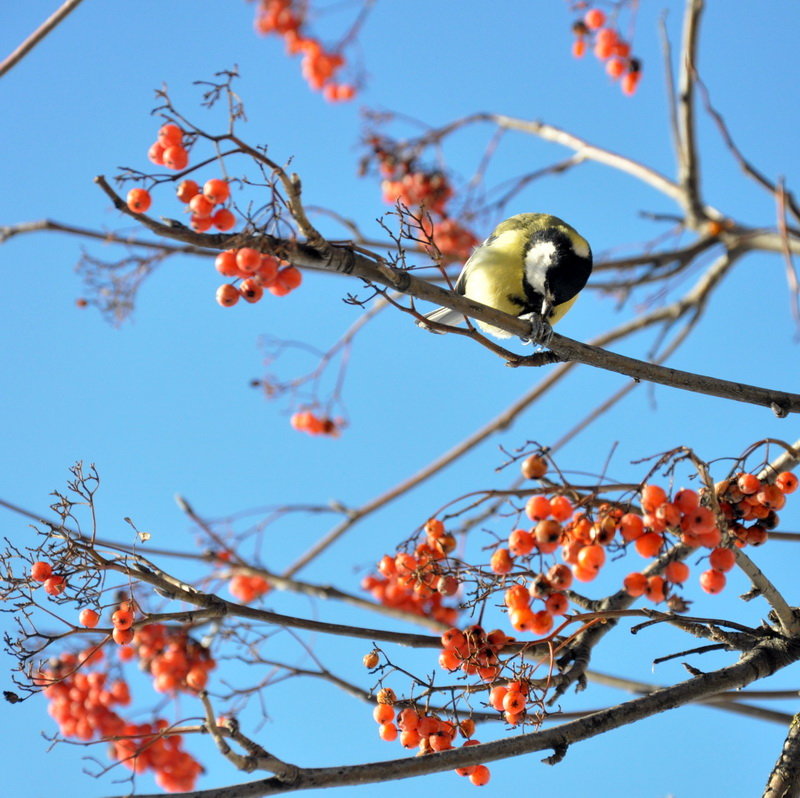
187, 189
176, 157
139, 200
200, 206
251, 290
41, 571
216, 191
88, 618
227, 295
55, 585
224, 219
248, 259
170, 134
595, 18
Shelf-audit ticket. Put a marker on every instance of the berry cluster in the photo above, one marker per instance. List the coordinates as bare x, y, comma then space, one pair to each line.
427, 732
54, 584
608, 46
82, 704
248, 587
258, 272
204, 204
426, 191
310, 422
170, 148
318, 66
417, 582
474, 651
176, 661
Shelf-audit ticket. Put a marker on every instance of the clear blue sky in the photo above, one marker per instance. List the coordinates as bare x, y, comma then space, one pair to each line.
162, 405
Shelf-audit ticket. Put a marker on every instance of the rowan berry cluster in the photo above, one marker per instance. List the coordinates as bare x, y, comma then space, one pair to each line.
427, 732
248, 587
426, 192
310, 422
319, 67
258, 273
54, 584
82, 704
474, 651
608, 46
175, 660
418, 582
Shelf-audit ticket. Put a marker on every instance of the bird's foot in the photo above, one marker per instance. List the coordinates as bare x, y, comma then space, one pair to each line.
541, 331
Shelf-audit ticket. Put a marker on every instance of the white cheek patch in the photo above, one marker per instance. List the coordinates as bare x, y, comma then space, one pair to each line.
538, 260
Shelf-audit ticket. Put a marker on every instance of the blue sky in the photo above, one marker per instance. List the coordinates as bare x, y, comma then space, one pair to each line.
162, 405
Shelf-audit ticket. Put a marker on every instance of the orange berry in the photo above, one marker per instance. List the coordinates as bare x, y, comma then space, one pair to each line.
480, 776
722, 559
787, 482
649, 544
655, 589
547, 531
635, 584
501, 561
583, 574
557, 604
592, 557
200, 206
594, 18
199, 223
712, 581
186, 190
88, 618
669, 514
521, 619
383, 713
748, 483
41, 571
409, 738
434, 528
251, 290
534, 467
677, 572
268, 269
225, 263
122, 636
560, 576
542, 622
371, 659
652, 497
156, 153
514, 701
772, 497
248, 260
615, 67
579, 47
561, 508
450, 660
216, 191
289, 278
170, 134
55, 585
521, 542
388, 732
122, 619
139, 200
607, 36
537, 508
517, 597
631, 526
175, 157
227, 295
686, 500
630, 82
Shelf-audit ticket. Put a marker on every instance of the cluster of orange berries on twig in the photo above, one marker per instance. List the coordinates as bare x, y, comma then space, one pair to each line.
82, 704
248, 587
474, 651
747, 504
427, 732
417, 582
205, 204
175, 660
310, 422
54, 584
258, 273
319, 67
428, 191
608, 46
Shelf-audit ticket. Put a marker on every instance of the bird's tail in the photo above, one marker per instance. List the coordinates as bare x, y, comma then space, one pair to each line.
443, 316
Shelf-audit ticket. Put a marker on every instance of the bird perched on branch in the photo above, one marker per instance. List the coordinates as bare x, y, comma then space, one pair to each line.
533, 264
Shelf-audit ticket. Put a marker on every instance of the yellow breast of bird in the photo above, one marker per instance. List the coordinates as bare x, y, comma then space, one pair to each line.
494, 274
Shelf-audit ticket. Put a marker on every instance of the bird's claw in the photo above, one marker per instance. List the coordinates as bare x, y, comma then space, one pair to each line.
541, 331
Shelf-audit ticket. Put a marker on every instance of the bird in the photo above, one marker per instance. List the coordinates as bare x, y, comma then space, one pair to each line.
532, 265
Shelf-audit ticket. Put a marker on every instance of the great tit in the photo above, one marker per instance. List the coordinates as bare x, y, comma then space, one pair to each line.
532, 263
